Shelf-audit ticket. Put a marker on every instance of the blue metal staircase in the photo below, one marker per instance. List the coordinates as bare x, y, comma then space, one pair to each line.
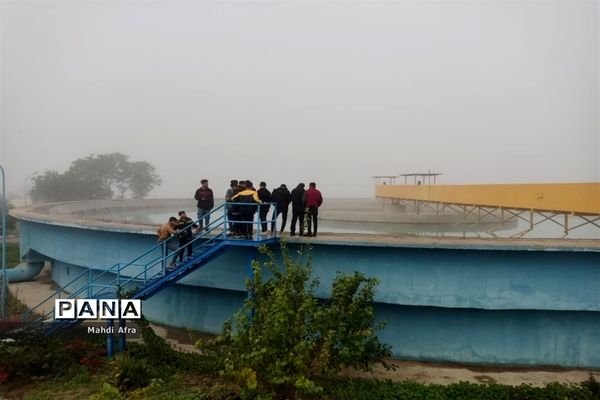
147, 274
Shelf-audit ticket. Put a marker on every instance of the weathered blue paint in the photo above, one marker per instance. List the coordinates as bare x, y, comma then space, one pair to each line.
519, 337
488, 279
482, 304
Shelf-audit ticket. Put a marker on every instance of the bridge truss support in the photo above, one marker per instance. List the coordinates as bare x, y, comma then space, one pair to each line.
474, 215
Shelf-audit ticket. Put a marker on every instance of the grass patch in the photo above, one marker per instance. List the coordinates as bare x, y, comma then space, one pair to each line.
187, 386
100, 386
179, 386
13, 256
15, 306
80, 386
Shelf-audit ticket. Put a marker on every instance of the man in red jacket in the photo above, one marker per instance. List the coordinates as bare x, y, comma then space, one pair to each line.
312, 201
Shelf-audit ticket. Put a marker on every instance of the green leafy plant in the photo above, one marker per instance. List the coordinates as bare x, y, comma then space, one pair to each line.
284, 339
108, 392
13, 255
132, 373
367, 389
593, 386
163, 358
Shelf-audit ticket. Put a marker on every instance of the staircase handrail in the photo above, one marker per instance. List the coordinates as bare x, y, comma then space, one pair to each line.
145, 280
116, 283
161, 259
116, 266
57, 293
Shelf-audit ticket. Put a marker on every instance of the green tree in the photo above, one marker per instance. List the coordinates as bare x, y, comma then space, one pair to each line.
102, 176
284, 339
137, 179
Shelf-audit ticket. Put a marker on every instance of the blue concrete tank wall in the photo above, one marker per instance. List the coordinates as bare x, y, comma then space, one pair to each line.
469, 304
471, 278
516, 337
184, 306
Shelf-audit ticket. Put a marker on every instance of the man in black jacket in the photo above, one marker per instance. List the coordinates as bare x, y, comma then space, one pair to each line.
265, 196
297, 209
281, 196
184, 228
206, 201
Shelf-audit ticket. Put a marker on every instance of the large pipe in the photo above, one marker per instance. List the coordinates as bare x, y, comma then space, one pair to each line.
25, 271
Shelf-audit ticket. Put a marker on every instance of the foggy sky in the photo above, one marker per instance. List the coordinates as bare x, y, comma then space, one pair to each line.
288, 92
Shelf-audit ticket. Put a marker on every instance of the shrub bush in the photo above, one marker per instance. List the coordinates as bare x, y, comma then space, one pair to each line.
132, 373
284, 338
26, 355
364, 389
160, 354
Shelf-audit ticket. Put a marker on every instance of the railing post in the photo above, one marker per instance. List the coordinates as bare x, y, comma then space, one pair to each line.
225, 220
274, 222
119, 275
258, 227
164, 257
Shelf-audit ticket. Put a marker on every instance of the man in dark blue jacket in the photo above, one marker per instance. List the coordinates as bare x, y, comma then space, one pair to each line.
281, 197
265, 196
297, 209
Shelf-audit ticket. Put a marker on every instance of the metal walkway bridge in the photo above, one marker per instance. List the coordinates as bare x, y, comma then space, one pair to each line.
532, 203
148, 274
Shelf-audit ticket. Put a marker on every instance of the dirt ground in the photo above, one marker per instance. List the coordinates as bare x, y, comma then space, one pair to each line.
445, 374
430, 372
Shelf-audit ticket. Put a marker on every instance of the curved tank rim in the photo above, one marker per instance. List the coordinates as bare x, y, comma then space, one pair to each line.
68, 214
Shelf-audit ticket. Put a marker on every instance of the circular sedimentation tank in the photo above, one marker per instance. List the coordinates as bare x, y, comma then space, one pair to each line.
444, 298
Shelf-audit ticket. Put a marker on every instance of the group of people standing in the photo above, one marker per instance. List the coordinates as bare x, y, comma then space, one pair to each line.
305, 208
182, 229
304, 202
305, 212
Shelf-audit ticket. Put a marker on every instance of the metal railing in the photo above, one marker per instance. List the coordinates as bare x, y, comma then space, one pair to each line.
140, 272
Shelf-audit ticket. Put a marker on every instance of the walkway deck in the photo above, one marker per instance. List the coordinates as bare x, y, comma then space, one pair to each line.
572, 198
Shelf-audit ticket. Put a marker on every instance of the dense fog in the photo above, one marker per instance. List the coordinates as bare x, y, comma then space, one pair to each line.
331, 92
